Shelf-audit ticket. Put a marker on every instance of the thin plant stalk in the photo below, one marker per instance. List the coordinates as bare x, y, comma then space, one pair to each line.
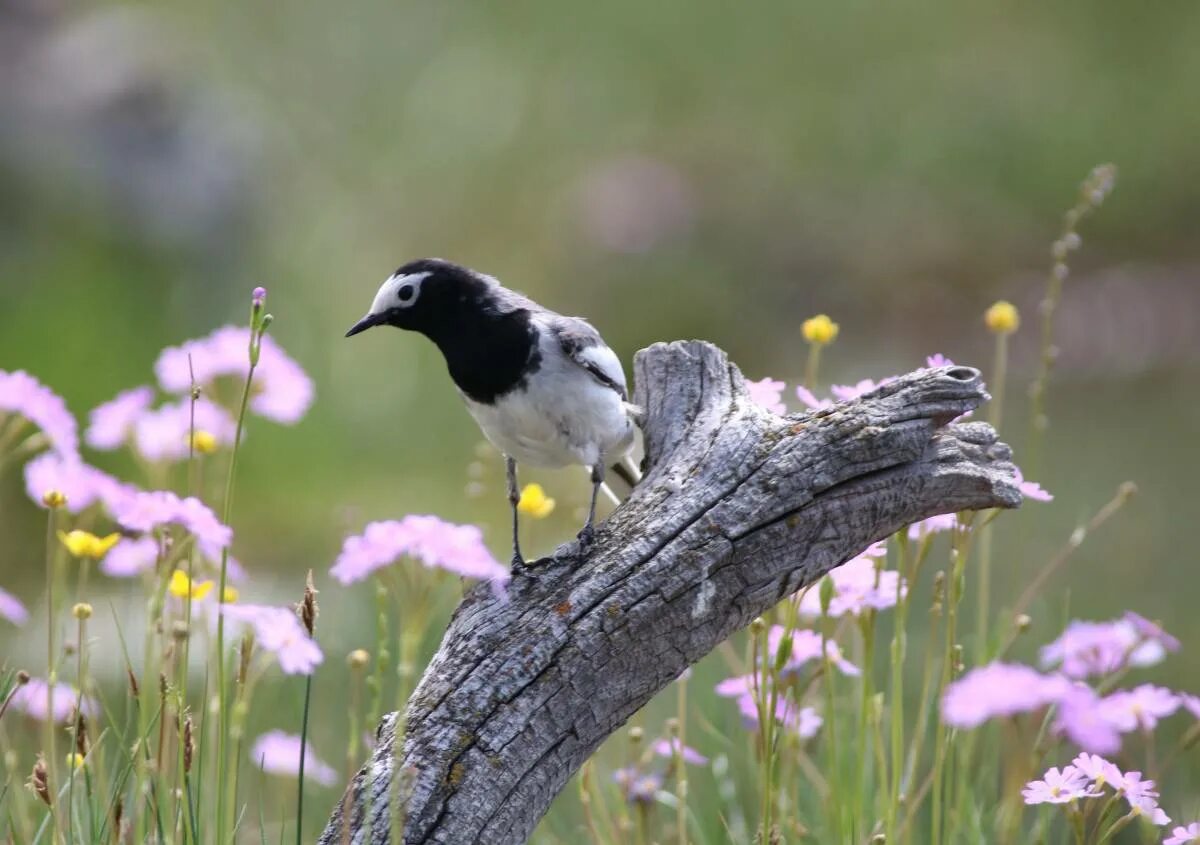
51, 559
226, 510
680, 771
303, 750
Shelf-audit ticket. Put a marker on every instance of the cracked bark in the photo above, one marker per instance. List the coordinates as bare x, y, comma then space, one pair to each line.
737, 509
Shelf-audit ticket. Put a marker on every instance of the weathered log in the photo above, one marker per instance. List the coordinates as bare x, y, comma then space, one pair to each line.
738, 508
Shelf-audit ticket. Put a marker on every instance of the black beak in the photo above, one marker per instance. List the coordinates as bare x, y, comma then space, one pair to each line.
365, 323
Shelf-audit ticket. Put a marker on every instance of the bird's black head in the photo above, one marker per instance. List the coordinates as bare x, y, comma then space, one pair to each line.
425, 296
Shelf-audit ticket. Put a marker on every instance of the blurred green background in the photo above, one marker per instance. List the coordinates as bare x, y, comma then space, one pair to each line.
669, 170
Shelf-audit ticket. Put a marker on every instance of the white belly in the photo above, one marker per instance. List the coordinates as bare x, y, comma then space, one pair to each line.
565, 417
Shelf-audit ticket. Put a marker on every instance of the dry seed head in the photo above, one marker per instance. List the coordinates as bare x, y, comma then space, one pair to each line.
22, 678
307, 608
189, 744
39, 780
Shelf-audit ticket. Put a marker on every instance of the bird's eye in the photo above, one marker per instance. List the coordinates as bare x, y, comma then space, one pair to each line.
405, 293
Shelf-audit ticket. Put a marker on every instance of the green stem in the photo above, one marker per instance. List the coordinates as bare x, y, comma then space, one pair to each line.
811, 366
898, 652
303, 747
51, 558
222, 688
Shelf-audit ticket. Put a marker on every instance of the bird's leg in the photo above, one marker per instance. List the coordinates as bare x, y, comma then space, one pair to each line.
514, 497
588, 533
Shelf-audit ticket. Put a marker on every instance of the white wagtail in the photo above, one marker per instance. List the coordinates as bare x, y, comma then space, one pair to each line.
545, 389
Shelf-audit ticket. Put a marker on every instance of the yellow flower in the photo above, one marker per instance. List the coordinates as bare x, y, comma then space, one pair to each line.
535, 502
87, 544
74, 760
230, 595
358, 658
182, 586
204, 442
1002, 318
82, 611
820, 330
53, 499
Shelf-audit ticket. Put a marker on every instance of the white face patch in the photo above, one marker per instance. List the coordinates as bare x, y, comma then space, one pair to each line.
398, 292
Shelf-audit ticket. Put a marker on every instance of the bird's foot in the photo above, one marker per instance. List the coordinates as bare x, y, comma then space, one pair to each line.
586, 536
521, 569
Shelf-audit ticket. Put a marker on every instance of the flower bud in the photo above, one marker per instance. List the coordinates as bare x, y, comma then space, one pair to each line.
820, 330
636, 735
1022, 623
82, 611
54, 499
1002, 318
358, 658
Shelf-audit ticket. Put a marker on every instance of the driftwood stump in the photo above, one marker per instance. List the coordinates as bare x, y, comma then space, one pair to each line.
738, 508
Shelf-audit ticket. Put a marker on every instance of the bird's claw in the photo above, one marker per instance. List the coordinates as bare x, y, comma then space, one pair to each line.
587, 536
521, 569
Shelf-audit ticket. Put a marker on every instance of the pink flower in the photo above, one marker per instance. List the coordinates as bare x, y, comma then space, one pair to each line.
110, 424
278, 630
1101, 648
1142, 797
1031, 489
145, 511
1098, 770
68, 475
804, 721
669, 747
163, 434
1151, 631
33, 699
766, 393
810, 400
638, 787
278, 753
1058, 787
1140, 707
12, 609
22, 394
932, 525
999, 689
1184, 835
282, 390
434, 542
130, 557
1083, 720
806, 646
1191, 703
857, 587
847, 392
937, 360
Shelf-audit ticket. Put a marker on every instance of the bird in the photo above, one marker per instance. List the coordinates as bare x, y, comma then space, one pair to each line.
545, 389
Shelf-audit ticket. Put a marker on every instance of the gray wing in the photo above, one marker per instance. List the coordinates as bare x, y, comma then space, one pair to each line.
583, 345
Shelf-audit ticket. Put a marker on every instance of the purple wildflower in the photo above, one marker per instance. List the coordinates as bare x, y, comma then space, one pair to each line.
767, 394
283, 391
67, 475
1098, 770
637, 787
110, 424
1057, 787
847, 392
806, 646
163, 434
1142, 797
1100, 648
804, 721
1151, 631
1031, 489
12, 609
278, 630
933, 525
436, 543
21, 393
1191, 703
145, 511
1183, 835
810, 400
278, 753
258, 296
1084, 721
668, 748
999, 689
130, 557
857, 587
33, 699
1140, 707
